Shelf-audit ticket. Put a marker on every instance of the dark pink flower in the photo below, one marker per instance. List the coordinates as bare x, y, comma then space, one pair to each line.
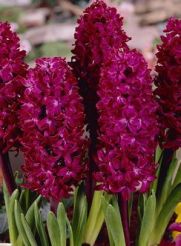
99, 32
175, 227
52, 122
127, 125
168, 84
12, 68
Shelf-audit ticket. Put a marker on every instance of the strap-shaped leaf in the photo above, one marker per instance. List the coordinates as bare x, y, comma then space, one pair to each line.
13, 230
24, 200
30, 216
79, 216
105, 203
148, 220
6, 196
168, 157
113, 221
177, 179
165, 215
95, 219
28, 231
71, 237
61, 217
40, 227
21, 230
167, 185
158, 154
53, 229
19, 241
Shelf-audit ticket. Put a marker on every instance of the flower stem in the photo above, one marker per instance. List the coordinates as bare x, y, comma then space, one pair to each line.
90, 99
7, 172
123, 205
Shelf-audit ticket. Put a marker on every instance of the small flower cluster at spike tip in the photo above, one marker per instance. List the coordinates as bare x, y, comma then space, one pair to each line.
12, 68
52, 122
128, 125
98, 33
168, 84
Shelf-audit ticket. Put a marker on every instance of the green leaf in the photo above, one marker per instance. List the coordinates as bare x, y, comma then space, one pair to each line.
30, 216
114, 224
105, 203
158, 154
53, 229
141, 206
167, 185
97, 228
61, 217
177, 179
24, 200
19, 241
95, 219
13, 230
21, 230
28, 231
39, 226
6, 196
165, 215
167, 159
71, 236
79, 216
158, 159
148, 220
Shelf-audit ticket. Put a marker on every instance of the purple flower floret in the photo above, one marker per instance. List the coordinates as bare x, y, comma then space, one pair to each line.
168, 84
12, 68
128, 125
52, 122
98, 33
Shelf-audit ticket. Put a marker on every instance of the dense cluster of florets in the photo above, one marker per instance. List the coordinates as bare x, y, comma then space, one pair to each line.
52, 122
99, 32
168, 84
12, 68
128, 125
41, 108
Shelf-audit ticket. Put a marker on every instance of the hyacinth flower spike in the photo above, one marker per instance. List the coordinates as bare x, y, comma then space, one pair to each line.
12, 69
168, 94
99, 33
52, 125
168, 83
128, 128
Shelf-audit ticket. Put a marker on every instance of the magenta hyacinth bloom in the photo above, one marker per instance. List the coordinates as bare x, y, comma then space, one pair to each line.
168, 84
12, 68
52, 122
98, 33
127, 125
